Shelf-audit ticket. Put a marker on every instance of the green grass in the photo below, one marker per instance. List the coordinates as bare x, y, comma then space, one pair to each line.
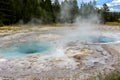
115, 75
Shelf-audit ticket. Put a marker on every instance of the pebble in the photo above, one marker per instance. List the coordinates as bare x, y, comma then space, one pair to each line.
105, 53
77, 57
99, 49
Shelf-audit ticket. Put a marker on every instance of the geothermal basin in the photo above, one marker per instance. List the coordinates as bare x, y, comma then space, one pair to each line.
48, 54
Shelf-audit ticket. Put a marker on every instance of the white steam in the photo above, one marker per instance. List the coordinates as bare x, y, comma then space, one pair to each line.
81, 28
65, 12
85, 23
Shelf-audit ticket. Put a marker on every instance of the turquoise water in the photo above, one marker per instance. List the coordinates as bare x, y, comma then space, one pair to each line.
103, 39
97, 39
22, 49
25, 49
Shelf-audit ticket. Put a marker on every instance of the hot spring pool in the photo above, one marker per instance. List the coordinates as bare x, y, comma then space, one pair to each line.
23, 49
103, 39
98, 39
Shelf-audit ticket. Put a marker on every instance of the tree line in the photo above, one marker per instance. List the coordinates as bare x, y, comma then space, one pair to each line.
47, 11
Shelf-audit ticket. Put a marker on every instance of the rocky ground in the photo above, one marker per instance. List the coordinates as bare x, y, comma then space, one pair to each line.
72, 60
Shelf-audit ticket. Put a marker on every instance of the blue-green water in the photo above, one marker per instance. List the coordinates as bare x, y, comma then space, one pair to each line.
103, 39
25, 49
97, 39
22, 49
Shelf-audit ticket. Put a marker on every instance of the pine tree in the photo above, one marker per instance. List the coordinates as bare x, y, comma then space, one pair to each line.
105, 13
36, 9
56, 8
105, 8
18, 8
27, 10
74, 10
88, 9
94, 2
65, 10
56, 5
49, 18
7, 14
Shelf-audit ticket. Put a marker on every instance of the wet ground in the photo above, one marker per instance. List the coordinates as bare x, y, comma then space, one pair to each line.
70, 58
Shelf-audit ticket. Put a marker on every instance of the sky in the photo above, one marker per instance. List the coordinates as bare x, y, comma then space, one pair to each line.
114, 5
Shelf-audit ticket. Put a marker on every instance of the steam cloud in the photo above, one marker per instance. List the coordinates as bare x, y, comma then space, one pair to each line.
85, 23
83, 26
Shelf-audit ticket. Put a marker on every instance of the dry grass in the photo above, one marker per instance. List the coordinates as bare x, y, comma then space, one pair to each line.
14, 28
113, 23
9, 28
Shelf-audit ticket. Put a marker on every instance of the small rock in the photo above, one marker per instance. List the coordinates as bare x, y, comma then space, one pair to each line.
77, 57
105, 53
99, 49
